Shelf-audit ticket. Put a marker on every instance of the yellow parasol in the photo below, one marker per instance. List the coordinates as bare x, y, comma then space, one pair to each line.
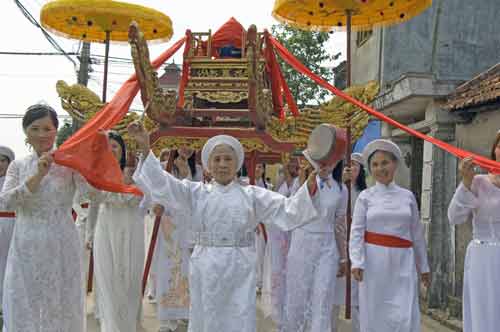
332, 14
103, 21
327, 15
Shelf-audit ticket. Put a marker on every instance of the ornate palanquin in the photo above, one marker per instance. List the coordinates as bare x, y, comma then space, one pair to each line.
225, 89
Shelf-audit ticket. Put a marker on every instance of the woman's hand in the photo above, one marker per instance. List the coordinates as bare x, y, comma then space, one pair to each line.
158, 210
467, 171
183, 166
128, 173
44, 164
426, 279
342, 271
43, 168
357, 274
347, 175
311, 183
137, 131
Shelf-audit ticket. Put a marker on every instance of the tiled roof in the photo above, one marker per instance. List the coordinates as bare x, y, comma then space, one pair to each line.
481, 90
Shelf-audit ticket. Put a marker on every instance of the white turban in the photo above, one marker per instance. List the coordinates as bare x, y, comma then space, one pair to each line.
357, 157
5, 151
381, 145
210, 145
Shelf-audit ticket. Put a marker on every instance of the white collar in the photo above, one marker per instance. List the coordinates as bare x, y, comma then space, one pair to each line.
382, 186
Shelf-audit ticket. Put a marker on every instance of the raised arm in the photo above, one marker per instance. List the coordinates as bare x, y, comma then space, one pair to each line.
464, 201
462, 205
285, 213
163, 187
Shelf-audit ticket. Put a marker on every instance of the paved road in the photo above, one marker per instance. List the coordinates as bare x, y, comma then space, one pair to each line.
150, 324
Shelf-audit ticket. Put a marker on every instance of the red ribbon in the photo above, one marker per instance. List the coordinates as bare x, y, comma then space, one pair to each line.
278, 82
487, 164
88, 151
7, 214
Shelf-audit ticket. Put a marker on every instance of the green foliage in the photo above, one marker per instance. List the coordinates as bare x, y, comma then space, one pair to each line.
310, 49
64, 132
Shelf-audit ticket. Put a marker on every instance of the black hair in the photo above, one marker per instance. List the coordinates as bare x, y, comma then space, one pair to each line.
117, 137
242, 171
6, 157
191, 162
361, 179
337, 173
264, 175
39, 111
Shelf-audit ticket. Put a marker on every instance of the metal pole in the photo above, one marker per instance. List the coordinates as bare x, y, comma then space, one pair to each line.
348, 162
106, 58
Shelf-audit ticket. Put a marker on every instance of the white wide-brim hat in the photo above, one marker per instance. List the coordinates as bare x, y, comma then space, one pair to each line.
210, 145
5, 151
381, 145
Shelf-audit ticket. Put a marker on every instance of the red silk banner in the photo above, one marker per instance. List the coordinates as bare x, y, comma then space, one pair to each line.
88, 151
485, 163
278, 82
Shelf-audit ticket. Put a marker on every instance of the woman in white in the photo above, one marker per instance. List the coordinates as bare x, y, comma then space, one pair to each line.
387, 247
316, 251
276, 252
43, 277
172, 254
224, 215
6, 217
118, 250
356, 172
478, 196
261, 234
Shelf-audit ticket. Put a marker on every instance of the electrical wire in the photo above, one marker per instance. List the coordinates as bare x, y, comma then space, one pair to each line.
51, 40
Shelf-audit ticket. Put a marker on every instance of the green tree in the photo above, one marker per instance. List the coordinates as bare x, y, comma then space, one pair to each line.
64, 132
310, 49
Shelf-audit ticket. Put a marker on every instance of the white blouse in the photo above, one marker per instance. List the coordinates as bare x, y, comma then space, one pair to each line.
389, 210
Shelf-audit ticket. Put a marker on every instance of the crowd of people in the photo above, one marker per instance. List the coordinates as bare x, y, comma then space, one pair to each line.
222, 242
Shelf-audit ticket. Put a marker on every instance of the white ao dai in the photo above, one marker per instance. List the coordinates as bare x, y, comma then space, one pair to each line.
481, 289
222, 266
42, 288
388, 294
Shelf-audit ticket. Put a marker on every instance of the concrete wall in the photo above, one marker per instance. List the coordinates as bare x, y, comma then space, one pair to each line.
366, 58
454, 39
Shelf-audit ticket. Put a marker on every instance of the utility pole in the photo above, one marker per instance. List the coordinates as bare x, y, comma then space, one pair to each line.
83, 72
83, 76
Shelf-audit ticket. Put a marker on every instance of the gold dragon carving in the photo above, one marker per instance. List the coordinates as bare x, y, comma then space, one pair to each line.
159, 106
83, 104
336, 112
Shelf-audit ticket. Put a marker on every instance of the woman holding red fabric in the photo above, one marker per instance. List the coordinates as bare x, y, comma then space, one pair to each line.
478, 196
387, 247
43, 277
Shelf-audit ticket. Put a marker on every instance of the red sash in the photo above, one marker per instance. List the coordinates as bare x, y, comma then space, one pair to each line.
7, 214
387, 240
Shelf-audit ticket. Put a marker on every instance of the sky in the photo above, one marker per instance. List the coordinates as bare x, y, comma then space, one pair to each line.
25, 80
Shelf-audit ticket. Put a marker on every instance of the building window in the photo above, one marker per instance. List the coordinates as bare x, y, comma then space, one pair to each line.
362, 37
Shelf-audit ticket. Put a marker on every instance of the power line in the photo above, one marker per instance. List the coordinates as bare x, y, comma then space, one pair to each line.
36, 53
51, 40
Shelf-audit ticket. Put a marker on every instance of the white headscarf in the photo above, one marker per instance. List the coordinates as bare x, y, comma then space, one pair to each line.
357, 157
5, 151
210, 145
381, 145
